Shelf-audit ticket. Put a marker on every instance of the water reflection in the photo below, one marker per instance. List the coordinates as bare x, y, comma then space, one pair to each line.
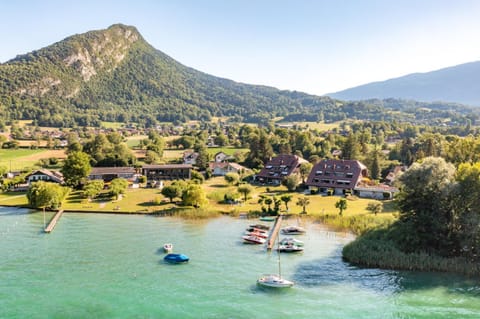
332, 270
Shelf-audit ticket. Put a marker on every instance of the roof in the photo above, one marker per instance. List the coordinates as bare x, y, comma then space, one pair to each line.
377, 188
332, 173
236, 166
281, 166
112, 170
55, 175
167, 166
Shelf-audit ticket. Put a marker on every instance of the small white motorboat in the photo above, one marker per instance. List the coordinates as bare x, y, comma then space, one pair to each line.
252, 239
168, 247
274, 281
290, 248
256, 233
292, 241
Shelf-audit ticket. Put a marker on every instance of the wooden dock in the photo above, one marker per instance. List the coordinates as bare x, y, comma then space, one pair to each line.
53, 222
274, 233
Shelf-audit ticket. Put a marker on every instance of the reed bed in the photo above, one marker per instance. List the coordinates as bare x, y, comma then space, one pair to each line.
374, 249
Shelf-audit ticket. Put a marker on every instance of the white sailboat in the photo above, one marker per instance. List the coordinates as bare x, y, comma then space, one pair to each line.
275, 280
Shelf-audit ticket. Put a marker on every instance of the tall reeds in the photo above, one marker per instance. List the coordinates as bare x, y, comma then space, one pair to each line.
374, 249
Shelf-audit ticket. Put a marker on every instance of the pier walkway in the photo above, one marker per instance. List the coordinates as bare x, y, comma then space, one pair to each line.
274, 233
53, 222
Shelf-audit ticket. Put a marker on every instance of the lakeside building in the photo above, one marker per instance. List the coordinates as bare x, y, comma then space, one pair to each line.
278, 168
44, 175
346, 176
107, 174
167, 171
339, 175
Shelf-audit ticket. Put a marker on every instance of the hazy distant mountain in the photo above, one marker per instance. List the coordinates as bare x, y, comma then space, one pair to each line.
460, 84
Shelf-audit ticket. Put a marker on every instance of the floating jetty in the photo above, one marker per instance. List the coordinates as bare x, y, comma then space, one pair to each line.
274, 233
53, 222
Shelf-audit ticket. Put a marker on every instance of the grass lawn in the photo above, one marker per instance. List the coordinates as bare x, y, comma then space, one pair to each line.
13, 199
319, 205
149, 200
133, 141
140, 200
23, 158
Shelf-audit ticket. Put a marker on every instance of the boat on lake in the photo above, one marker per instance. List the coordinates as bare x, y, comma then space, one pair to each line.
274, 281
293, 230
168, 247
292, 241
289, 248
267, 218
176, 258
258, 226
252, 239
257, 233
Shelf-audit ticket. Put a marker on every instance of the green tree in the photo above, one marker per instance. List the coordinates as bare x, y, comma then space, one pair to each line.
197, 177
467, 223
194, 196
76, 168
425, 203
203, 156
341, 205
375, 166
232, 178
286, 199
118, 186
46, 195
305, 169
303, 202
291, 182
93, 188
245, 189
350, 148
375, 207
171, 192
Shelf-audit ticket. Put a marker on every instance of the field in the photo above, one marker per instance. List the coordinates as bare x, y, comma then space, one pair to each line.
321, 126
19, 159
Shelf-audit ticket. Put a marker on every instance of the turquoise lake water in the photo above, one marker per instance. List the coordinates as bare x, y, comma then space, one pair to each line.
110, 266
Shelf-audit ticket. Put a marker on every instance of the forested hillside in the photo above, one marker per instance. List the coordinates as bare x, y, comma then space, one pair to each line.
115, 75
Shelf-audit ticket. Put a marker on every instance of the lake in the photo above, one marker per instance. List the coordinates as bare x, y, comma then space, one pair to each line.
111, 266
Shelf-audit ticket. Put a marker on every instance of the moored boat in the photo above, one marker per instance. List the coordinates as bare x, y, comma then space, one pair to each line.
252, 239
259, 226
256, 233
267, 218
290, 248
274, 281
293, 230
168, 247
292, 241
176, 258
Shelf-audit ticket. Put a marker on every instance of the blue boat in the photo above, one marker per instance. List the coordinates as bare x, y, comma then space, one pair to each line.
176, 258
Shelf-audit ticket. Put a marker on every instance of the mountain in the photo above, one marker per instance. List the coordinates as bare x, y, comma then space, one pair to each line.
114, 75
460, 84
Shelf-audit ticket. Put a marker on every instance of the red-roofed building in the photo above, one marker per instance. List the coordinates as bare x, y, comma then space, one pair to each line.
339, 175
279, 168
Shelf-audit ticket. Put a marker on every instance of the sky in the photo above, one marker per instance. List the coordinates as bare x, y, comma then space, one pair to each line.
317, 47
